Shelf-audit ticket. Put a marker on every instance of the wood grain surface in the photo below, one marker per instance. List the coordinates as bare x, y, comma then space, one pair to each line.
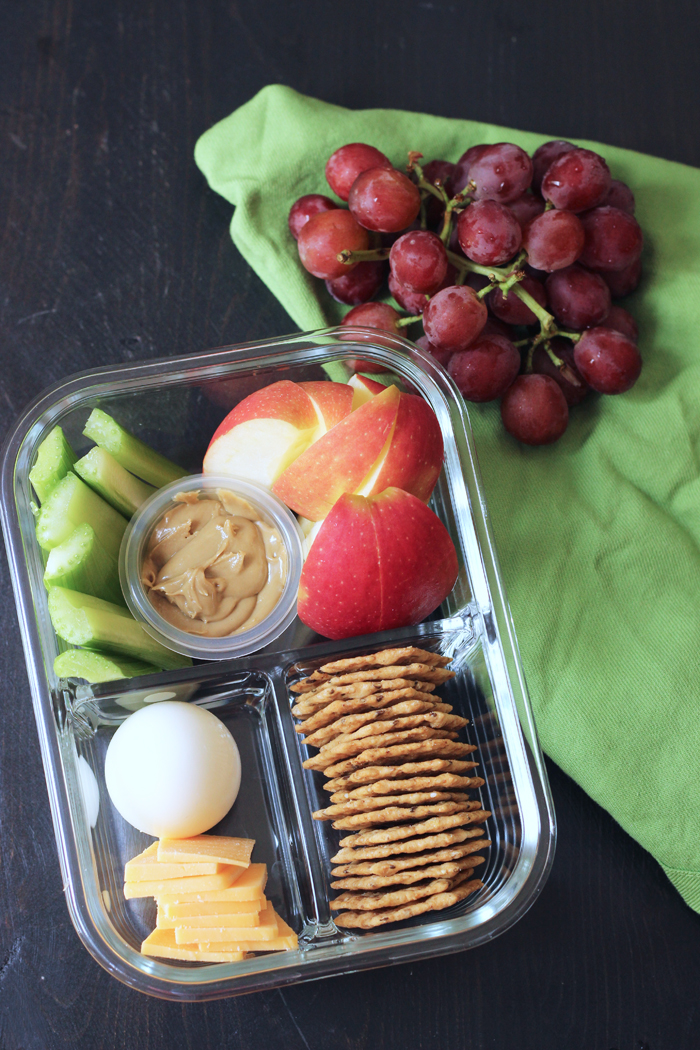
113, 249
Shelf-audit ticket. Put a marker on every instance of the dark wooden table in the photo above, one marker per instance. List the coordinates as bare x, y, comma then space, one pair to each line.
113, 249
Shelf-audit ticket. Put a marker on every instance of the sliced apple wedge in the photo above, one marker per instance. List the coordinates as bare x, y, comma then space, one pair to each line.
364, 389
341, 460
332, 401
263, 434
414, 455
377, 563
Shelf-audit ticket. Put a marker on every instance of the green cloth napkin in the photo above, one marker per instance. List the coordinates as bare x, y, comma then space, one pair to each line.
598, 535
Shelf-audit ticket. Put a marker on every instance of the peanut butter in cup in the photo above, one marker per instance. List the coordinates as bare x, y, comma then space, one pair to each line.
213, 567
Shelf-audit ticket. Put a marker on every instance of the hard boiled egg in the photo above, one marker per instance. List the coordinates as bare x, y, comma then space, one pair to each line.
173, 770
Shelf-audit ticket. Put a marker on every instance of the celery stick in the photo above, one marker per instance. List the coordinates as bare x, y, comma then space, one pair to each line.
98, 667
82, 564
54, 459
81, 619
120, 488
130, 451
73, 503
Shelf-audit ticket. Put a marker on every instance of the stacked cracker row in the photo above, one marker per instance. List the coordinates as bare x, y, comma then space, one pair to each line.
211, 900
398, 778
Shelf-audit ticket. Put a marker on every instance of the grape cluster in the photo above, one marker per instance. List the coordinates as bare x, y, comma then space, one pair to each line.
510, 262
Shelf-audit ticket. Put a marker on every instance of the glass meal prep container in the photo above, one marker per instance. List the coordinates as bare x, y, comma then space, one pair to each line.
175, 405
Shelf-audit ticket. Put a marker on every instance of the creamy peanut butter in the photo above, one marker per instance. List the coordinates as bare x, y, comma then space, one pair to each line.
213, 567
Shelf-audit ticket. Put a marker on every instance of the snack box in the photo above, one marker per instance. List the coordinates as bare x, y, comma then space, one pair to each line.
175, 405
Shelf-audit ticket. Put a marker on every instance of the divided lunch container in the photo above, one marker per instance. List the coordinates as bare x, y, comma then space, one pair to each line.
175, 405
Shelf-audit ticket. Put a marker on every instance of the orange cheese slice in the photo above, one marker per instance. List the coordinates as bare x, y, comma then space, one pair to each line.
241, 920
249, 884
217, 849
191, 884
190, 908
226, 928
146, 867
161, 945
285, 941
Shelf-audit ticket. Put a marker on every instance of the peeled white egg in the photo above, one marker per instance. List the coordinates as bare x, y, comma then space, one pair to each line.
173, 770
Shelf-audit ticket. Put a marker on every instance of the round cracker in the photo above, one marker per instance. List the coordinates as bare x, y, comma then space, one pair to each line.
349, 855
389, 788
436, 719
363, 705
355, 751
368, 920
439, 748
407, 654
407, 831
345, 747
370, 774
404, 878
411, 861
391, 814
391, 898
365, 805
347, 724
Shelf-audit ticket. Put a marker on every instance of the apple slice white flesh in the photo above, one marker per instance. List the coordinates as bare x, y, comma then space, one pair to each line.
258, 450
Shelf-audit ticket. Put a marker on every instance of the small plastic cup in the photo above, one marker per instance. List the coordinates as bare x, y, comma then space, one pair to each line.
133, 550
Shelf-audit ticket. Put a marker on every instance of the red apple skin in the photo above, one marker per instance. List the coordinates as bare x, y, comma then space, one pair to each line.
417, 558
414, 459
282, 400
334, 400
340, 460
340, 589
377, 563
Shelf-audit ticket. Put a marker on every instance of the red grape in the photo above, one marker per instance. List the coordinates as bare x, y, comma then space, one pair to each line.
620, 196
384, 199
440, 171
442, 356
460, 176
544, 157
526, 207
511, 308
412, 302
324, 236
622, 321
495, 327
359, 285
302, 210
574, 392
501, 173
622, 282
553, 240
372, 315
613, 239
534, 410
485, 369
576, 181
577, 297
418, 260
489, 233
343, 166
454, 318
607, 360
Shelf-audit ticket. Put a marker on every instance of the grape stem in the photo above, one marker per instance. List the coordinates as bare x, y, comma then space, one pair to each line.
423, 184
459, 201
409, 320
370, 255
564, 369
